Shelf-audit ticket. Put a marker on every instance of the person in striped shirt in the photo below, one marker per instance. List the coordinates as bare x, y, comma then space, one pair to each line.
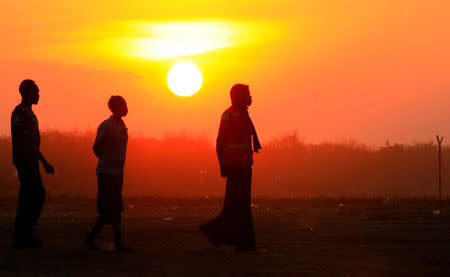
110, 147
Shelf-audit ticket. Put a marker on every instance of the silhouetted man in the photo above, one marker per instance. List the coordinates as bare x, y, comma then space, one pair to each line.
234, 226
110, 147
26, 156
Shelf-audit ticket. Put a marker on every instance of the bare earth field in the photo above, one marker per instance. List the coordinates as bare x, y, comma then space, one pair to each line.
318, 237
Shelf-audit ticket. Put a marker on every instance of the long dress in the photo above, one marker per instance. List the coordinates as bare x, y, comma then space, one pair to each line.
234, 225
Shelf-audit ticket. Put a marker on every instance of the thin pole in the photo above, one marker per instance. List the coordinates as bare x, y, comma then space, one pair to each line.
439, 140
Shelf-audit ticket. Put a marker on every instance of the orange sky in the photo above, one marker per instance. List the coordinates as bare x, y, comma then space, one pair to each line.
330, 70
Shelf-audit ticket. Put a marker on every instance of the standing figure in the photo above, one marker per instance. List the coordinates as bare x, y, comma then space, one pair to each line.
110, 147
234, 225
26, 156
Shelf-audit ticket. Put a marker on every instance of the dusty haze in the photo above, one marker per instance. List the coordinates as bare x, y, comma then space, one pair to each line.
186, 166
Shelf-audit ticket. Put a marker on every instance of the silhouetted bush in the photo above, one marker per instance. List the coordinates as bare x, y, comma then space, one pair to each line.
185, 166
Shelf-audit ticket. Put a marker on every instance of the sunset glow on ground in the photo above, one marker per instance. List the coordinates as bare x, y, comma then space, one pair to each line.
123, 155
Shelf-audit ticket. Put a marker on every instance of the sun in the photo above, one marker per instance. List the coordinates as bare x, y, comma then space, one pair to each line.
184, 79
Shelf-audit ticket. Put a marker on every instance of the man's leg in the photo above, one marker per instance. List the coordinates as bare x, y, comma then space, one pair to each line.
117, 229
22, 229
29, 207
38, 198
116, 209
99, 223
118, 244
97, 227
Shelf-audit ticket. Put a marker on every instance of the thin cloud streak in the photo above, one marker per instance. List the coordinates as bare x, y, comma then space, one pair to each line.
151, 41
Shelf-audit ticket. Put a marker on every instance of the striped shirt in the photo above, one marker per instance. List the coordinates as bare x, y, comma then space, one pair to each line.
111, 147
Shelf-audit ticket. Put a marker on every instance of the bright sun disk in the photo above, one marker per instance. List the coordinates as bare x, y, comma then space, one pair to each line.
184, 79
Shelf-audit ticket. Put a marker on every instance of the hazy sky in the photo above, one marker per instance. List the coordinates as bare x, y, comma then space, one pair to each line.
331, 70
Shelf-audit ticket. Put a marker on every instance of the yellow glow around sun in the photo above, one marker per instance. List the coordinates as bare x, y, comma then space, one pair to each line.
175, 39
127, 43
184, 79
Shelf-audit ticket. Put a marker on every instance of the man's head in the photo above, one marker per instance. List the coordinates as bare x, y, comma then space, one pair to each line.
240, 95
118, 106
29, 91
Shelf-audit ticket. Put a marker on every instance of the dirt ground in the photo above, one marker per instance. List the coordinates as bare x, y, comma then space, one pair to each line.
317, 237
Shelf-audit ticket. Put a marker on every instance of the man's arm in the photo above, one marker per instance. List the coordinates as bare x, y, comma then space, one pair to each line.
221, 140
256, 143
48, 167
18, 126
99, 141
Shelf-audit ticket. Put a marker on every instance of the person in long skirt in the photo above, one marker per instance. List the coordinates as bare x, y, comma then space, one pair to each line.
234, 225
110, 147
